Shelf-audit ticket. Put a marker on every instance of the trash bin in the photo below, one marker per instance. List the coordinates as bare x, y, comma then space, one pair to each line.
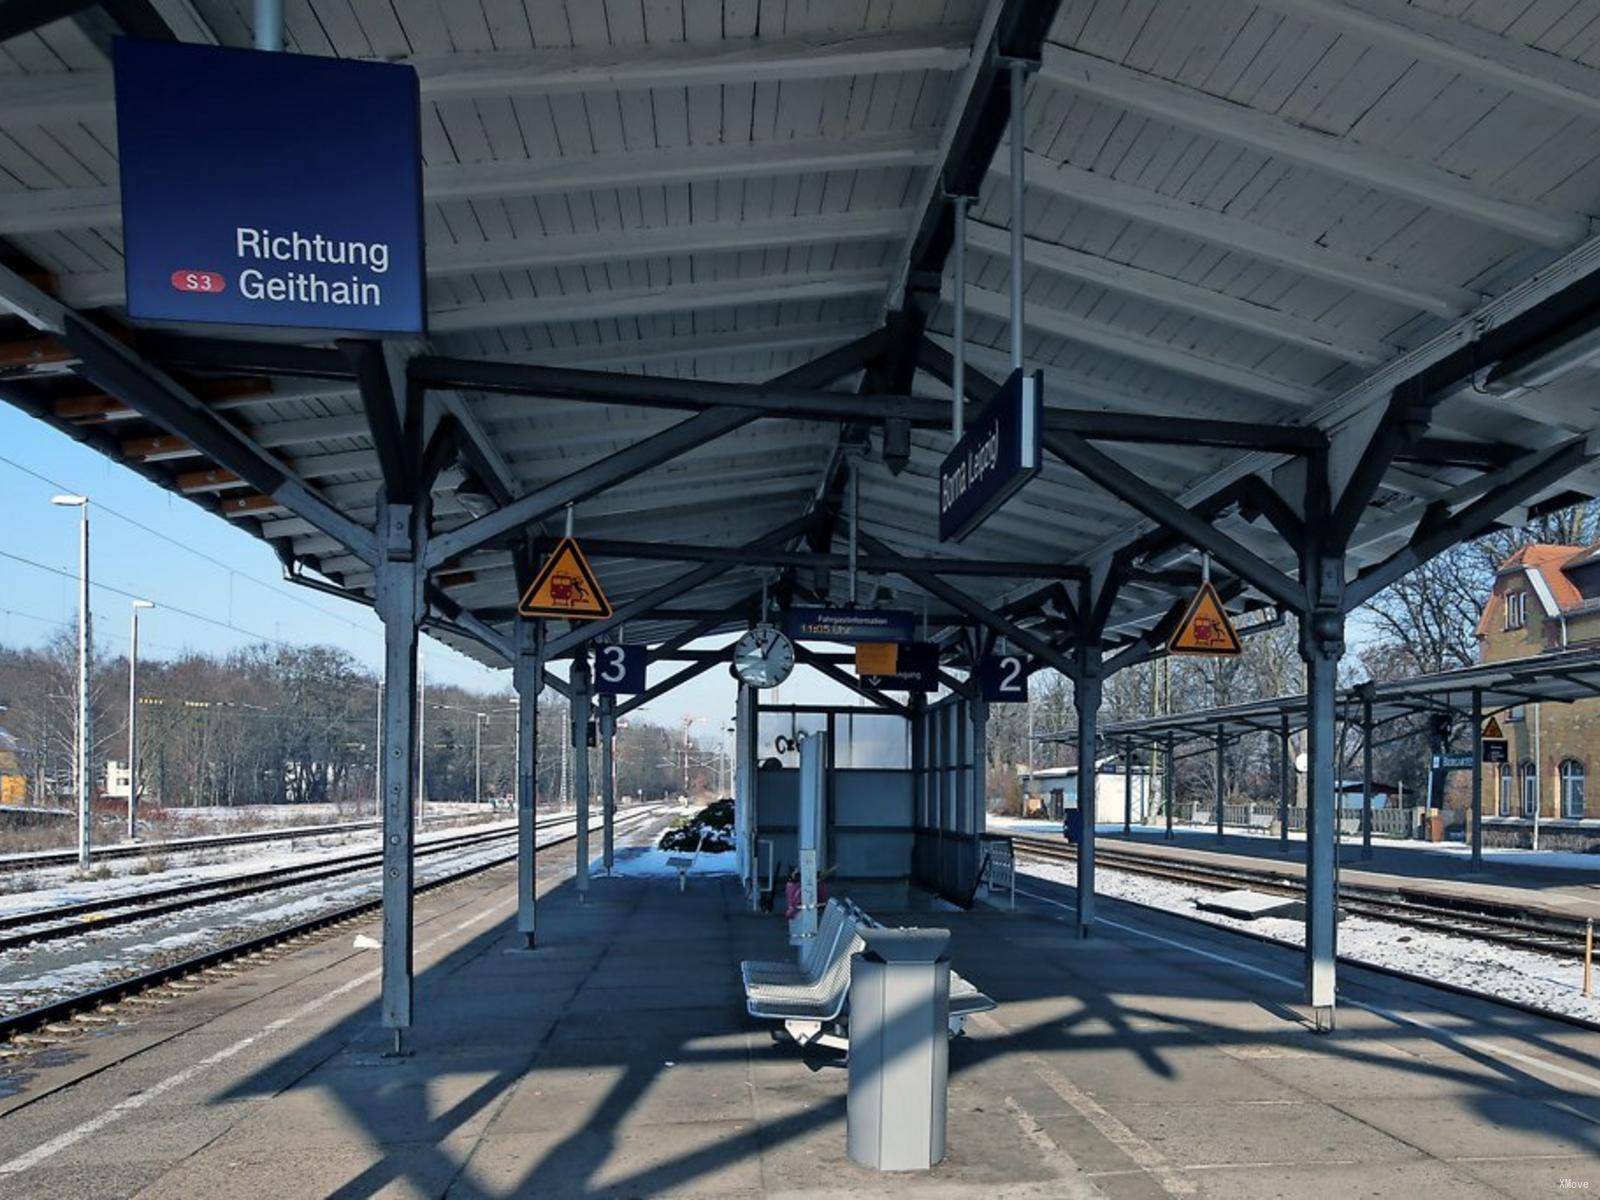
899, 1049
1073, 828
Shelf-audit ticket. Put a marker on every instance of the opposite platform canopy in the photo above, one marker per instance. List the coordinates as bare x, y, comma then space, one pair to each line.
1538, 679
1250, 220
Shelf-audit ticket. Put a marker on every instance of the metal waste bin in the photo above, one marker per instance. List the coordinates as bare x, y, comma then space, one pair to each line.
899, 1049
1072, 826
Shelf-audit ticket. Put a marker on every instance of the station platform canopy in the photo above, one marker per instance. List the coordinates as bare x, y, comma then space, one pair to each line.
1309, 287
686, 259
1499, 687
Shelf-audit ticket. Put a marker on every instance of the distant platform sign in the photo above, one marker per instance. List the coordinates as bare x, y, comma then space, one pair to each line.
850, 624
998, 453
269, 189
1205, 628
620, 670
1003, 678
565, 588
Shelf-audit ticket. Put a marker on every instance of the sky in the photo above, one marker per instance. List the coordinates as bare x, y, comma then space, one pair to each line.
216, 587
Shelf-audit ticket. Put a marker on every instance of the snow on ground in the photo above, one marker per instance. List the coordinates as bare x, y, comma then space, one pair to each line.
1498, 856
35, 975
644, 863
1539, 980
227, 862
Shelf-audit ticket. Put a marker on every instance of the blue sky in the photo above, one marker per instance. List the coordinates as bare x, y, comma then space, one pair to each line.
216, 587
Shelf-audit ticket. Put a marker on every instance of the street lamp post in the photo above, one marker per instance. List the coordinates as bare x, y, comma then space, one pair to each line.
84, 742
133, 720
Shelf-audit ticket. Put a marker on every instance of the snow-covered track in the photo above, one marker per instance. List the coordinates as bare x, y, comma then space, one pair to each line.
1486, 919
40, 859
87, 1001
85, 916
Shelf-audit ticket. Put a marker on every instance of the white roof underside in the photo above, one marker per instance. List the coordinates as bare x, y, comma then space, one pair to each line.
1235, 209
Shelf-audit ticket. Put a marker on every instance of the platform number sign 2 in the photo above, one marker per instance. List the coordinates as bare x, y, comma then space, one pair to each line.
1004, 678
619, 670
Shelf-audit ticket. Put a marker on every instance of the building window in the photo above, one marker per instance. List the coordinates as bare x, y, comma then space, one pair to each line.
1530, 788
1516, 609
1572, 789
1507, 790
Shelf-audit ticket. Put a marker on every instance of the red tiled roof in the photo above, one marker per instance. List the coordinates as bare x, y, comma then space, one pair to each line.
1550, 561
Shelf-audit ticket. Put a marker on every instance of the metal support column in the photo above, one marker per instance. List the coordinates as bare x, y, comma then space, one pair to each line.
1283, 785
744, 801
527, 677
580, 769
1477, 779
1169, 781
1366, 772
1322, 642
1221, 782
399, 582
978, 711
1127, 789
608, 780
1086, 690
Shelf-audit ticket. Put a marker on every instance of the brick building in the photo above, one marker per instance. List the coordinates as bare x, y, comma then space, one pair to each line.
1545, 598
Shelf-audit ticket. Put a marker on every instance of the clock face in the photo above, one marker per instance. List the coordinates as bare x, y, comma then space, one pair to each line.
763, 657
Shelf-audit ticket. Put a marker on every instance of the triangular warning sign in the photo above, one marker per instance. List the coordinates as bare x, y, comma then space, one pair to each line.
565, 588
1205, 628
1491, 731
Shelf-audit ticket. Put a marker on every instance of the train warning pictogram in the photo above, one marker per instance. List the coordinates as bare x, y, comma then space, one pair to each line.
565, 588
1205, 628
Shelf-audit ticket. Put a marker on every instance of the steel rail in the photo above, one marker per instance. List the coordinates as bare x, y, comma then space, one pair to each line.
67, 858
1496, 922
87, 916
66, 1009
1267, 939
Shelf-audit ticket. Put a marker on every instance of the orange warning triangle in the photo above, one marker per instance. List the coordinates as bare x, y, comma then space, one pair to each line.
1205, 628
1491, 731
565, 588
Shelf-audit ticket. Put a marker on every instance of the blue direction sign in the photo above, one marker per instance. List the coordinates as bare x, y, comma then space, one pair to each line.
269, 189
916, 670
850, 624
998, 453
620, 670
1003, 678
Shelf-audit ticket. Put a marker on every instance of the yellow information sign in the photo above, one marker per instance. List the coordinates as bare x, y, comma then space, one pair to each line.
877, 658
1205, 628
565, 588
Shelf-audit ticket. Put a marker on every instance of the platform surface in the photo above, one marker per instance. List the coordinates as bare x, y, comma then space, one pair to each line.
1157, 1059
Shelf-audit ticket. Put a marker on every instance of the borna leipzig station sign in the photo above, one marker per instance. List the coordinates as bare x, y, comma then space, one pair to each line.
270, 189
998, 453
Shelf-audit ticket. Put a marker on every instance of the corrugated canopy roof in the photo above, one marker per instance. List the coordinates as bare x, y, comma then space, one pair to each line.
1268, 212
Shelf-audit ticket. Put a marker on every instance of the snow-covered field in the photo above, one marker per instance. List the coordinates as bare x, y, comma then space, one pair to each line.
1527, 977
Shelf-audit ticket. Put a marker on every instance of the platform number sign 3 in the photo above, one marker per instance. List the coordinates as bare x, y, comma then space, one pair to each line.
619, 670
1004, 678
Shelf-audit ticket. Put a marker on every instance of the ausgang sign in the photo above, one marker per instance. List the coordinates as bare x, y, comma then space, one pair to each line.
998, 453
269, 189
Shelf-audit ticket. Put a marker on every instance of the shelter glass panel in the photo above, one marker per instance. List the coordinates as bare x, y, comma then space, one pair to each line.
778, 735
871, 740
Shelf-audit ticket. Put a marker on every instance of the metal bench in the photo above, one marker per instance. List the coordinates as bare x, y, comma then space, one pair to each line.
810, 997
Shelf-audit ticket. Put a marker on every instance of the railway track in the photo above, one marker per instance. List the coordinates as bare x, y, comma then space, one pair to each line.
1484, 920
75, 1013
86, 916
40, 859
